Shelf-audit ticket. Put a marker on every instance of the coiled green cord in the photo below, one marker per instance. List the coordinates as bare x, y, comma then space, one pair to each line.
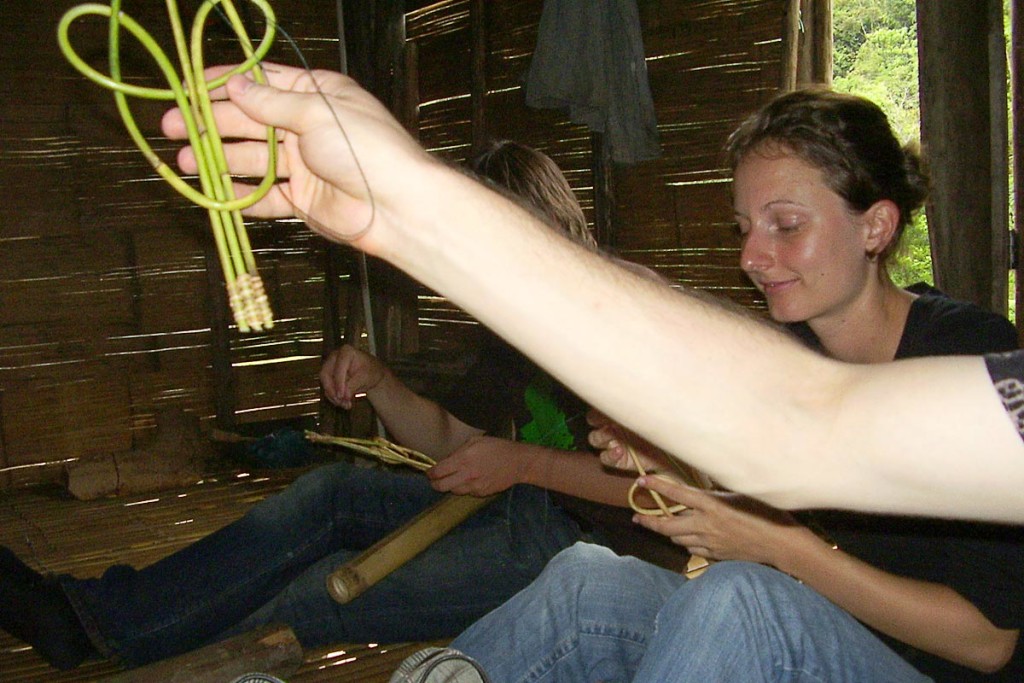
246, 294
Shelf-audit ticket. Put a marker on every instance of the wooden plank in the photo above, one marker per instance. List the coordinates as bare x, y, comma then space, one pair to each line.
271, 649
956, 127
1017, 114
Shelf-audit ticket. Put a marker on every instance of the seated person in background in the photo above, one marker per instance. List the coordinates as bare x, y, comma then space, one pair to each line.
271, 565
822, 191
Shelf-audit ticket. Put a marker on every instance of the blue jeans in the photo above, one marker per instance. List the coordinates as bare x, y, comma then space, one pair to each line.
594, 616
272, 565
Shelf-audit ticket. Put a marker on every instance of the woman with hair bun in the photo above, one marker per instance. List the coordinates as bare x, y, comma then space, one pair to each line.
822, 192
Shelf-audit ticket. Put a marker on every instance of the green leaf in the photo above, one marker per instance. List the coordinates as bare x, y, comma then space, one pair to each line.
548, 426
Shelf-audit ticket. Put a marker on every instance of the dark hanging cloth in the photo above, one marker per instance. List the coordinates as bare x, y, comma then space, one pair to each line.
590, 59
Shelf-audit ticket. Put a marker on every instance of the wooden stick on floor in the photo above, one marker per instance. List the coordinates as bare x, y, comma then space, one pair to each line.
273, 649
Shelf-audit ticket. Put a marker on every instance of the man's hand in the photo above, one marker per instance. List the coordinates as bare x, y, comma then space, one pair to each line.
484, 465
341, 153
347, 372
610, 439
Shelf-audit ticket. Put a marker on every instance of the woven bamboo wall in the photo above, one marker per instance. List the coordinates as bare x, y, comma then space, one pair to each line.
710, 63
105, 302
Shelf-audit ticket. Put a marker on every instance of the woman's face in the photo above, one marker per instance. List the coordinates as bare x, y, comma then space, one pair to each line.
802, 247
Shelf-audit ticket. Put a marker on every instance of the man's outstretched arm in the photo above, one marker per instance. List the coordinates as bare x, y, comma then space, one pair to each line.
728, 394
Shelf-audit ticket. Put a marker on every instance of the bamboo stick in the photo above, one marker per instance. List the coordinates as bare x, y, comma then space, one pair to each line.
350, 580
391, 552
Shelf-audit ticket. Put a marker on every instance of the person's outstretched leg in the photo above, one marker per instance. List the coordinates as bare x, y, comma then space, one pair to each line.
587, 617
743, 622
469, 571
190, 597
34, 609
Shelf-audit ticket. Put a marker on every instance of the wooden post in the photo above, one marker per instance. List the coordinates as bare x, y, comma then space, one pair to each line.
790, 46
1000, 157
478, 75
331, 418
5, 463
956, 132
373, 50
410, 114
220, 336
603, 175
390, 64
1017, 74
814, 61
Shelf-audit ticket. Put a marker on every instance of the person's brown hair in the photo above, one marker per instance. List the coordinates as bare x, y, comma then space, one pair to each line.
534, 178
849, 139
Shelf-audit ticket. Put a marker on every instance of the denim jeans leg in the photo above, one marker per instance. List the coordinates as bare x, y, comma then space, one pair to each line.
587, 617
743, 622
188, 598
471, 570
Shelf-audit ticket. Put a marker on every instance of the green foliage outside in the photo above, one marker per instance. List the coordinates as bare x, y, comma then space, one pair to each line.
875, 56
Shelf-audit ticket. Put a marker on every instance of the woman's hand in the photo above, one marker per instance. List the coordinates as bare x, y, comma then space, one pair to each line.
610, 439
721, 526
347, 372
482, 466
341, 153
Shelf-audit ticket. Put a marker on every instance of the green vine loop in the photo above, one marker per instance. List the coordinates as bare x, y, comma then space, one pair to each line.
175, 90
216, 192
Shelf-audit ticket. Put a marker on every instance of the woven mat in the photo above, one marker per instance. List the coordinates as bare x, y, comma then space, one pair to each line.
57, 534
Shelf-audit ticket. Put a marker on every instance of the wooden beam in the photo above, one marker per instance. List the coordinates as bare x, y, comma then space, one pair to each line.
395, 295
5, 463
360, 36
379, 57
956, 133
478, 77
224, 399
410, 114
332, 420
790, 46
1017, 109
602, 171
391, 47
1000, 157
815, 53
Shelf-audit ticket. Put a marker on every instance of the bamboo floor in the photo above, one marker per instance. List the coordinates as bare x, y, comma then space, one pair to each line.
55, 533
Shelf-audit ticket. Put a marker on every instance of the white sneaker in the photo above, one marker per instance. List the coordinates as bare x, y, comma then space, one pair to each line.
439, 665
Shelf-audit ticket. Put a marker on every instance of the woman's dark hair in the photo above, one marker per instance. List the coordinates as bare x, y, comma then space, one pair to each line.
532, 177
849, 139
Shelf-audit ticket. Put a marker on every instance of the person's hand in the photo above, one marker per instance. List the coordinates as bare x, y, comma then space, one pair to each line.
341, 153
347, 372
482, 466
720, 525
610, 439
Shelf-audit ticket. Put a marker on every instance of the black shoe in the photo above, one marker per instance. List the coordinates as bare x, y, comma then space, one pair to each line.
33, 608
12, 566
